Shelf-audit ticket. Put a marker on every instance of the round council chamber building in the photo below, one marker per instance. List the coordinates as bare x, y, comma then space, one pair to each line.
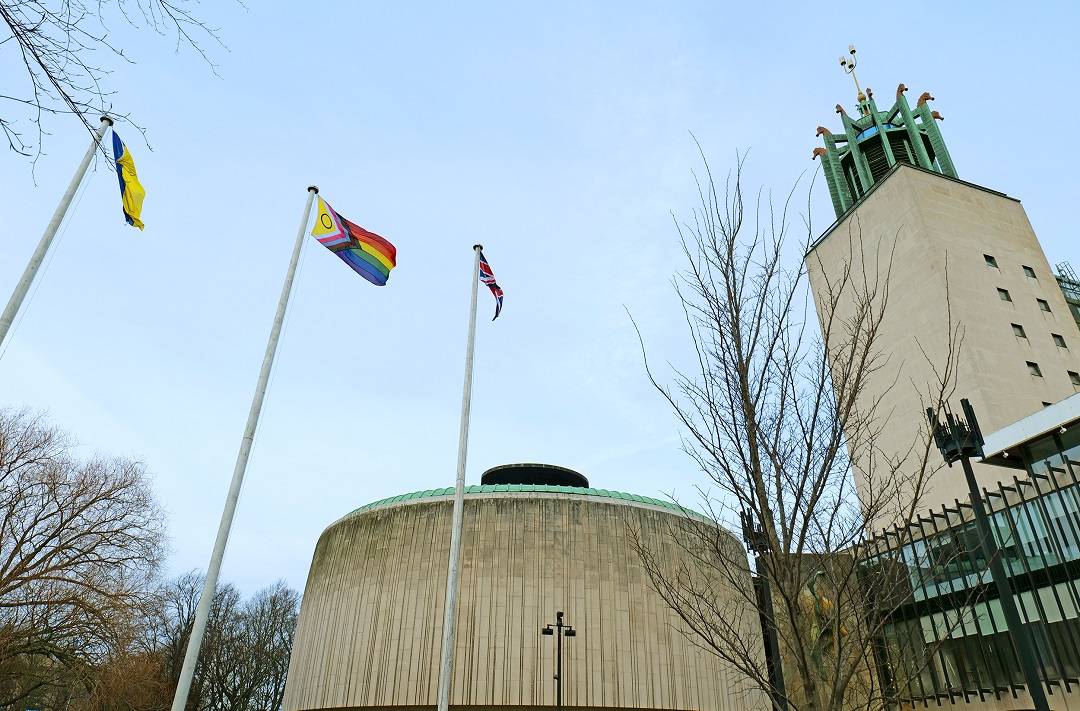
536, 541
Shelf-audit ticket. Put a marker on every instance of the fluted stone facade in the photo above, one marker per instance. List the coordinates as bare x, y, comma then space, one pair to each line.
962, 269
370, 625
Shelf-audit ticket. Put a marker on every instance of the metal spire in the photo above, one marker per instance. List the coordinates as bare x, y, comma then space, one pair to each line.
849, 68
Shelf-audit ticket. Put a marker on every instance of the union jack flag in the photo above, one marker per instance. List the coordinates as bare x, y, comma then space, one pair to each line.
488, 278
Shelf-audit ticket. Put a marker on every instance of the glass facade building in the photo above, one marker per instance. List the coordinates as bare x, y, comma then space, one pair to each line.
946, 636
1070, 287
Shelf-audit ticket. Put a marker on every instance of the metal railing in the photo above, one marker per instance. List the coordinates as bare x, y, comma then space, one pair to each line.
946, 636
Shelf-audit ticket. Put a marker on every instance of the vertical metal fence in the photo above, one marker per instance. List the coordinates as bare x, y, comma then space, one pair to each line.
946, 637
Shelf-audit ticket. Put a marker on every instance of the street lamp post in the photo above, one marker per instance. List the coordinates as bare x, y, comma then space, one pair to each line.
960, 440
757, 542
559, 630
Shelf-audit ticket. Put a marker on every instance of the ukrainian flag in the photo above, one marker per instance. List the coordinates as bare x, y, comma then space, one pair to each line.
131, 191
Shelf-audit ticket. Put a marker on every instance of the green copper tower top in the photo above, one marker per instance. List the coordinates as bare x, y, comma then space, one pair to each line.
875, 141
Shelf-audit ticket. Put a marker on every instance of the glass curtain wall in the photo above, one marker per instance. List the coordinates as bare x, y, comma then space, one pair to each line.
947, 636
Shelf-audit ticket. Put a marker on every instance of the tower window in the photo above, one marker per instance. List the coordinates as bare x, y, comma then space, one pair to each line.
1003, 294
1018, 331
1058, 341
1047, 404
1029, 272
990, 261
1033, 368
1043, 305
1075, 378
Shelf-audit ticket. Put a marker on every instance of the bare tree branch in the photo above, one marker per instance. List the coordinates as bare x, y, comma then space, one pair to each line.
777, 415
63, 47
80, 545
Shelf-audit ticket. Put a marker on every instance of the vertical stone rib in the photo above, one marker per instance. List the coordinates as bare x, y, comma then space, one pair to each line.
371, 615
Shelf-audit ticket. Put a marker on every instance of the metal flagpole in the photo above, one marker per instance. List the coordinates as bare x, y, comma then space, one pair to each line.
15, 303
187, 673
447, 667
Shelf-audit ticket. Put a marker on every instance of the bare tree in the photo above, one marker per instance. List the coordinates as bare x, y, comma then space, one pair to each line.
169, 620
224, 664
129, 677
62, 47
245, 654
85, 623
248, 648
777, 414
80, 544
270, 622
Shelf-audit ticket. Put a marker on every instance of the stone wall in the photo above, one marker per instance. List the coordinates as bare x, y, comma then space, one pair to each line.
370, 626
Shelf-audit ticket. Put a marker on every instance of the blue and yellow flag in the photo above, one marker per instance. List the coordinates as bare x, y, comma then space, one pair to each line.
131, 191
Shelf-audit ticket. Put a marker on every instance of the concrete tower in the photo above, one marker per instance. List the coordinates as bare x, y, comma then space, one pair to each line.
957, 257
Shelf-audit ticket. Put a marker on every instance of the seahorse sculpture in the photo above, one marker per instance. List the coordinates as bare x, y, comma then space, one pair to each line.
924, 98
900, 91
869, 94
822, 131
819, 151
840, 110
936, 115
825, 625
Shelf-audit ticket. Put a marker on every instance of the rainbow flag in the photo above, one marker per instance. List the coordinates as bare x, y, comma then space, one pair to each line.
369, 255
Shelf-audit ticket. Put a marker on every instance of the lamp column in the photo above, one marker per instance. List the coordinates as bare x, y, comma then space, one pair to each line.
559, 630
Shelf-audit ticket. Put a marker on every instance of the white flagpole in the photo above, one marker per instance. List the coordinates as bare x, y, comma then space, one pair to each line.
447, 668
187, 673
15, 303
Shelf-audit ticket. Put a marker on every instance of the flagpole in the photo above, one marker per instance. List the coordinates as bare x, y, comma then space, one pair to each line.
15, 303
202, 613
446, 670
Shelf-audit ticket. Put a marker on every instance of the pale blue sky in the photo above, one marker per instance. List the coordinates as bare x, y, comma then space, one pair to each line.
556, 134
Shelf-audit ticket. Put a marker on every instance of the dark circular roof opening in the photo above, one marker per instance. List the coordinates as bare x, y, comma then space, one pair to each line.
534, 474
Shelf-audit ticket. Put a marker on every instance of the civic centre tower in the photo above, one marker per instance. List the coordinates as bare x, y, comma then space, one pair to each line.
964, 304
970, 293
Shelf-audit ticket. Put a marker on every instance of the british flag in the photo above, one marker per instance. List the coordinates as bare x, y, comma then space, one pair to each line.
488, 278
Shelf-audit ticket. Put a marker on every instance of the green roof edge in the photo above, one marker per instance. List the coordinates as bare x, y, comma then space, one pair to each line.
533, 488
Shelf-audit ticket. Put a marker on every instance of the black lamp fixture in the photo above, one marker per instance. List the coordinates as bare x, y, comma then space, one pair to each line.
559, 630
960, 439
